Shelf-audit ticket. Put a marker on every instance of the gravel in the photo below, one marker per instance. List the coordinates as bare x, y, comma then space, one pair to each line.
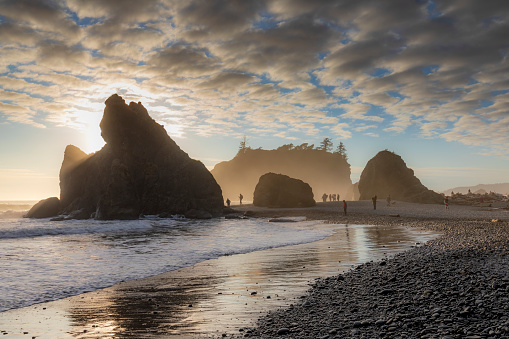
455, 286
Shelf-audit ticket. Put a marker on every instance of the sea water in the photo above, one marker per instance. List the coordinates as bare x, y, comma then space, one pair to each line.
43, 260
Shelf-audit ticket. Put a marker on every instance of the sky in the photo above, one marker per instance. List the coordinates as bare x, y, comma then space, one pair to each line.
428, 80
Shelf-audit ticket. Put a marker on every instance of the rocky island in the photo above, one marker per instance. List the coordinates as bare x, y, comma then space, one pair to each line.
387, 174
326, 172
140, 170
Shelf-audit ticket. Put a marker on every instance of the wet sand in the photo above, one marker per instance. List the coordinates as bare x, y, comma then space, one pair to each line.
215, 297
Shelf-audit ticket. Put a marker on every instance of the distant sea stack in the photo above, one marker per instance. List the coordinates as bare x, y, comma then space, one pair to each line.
278, 190
140, 170
325, 172
387, 174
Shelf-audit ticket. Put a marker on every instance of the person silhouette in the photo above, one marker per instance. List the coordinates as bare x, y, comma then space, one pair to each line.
344, 206
228, 202
374, 201
240, 198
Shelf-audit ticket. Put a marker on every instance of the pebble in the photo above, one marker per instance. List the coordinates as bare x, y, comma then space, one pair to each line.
283, 331
454, 286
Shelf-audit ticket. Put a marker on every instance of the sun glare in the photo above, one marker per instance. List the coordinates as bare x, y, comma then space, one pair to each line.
94, 141
92, 135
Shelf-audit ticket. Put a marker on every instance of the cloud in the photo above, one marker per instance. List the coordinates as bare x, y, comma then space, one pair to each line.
286, 66
45, 16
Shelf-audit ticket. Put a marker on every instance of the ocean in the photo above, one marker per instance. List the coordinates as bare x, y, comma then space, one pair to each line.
43, 260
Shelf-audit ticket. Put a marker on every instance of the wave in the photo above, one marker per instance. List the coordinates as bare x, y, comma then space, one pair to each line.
11, 214
28, 228
15, 206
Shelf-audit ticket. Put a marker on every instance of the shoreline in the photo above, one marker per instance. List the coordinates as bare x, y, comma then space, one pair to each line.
145, 299
456, 286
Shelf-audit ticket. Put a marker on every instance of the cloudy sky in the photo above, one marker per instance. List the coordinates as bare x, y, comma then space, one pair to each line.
428, 80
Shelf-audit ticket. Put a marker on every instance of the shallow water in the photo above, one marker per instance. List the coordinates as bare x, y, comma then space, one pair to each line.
216, 296
43, 260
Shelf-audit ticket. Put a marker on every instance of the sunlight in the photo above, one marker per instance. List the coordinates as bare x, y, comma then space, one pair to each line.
92, 133
94, 141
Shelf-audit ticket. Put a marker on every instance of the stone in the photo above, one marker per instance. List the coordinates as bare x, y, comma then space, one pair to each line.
279, 190
80, 214
198, 214
45, 208
387, 174
140, 171
283, 331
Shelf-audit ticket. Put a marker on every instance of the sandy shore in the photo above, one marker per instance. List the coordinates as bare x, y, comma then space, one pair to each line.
455, 286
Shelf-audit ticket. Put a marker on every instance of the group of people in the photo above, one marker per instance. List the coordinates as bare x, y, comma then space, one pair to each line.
332, 197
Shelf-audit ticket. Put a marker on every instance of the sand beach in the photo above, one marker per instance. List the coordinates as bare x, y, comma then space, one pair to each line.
450, 285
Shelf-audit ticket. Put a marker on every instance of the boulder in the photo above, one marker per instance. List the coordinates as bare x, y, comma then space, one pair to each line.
45, 208
198, 214
140, 171
278, 190
387, 174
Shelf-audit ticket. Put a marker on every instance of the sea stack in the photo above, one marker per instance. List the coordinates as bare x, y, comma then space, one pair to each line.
279, 190
140, 171
387, 174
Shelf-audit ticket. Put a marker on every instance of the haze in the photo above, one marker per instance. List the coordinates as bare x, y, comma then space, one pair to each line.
425, 79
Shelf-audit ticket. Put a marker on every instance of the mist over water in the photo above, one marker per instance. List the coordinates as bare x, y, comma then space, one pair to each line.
14, 209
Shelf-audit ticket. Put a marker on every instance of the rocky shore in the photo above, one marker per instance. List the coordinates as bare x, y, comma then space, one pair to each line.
456, 286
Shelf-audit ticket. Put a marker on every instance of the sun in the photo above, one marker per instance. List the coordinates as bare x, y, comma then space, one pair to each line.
93, 140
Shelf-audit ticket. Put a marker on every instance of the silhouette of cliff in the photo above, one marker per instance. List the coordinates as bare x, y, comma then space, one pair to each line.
140, 170
325, 172
387, 174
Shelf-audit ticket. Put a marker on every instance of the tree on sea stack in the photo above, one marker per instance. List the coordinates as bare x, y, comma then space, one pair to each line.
326, 145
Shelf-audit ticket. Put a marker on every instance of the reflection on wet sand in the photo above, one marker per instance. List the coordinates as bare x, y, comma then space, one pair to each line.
217, 296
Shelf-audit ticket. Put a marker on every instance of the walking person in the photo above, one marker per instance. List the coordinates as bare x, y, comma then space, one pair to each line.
446, 202
344, 206
374, 201
240, 198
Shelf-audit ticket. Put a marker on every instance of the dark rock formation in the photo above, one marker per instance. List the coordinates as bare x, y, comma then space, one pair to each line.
278, 190
387, 174
46, 208
325, 172
140, 170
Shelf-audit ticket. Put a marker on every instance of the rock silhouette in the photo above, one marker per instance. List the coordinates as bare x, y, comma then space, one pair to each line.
387, 174
140, 170
278, 190
323, 171
45, 208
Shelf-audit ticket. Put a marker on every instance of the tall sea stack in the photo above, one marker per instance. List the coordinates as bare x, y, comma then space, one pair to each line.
387, 174
140, 170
